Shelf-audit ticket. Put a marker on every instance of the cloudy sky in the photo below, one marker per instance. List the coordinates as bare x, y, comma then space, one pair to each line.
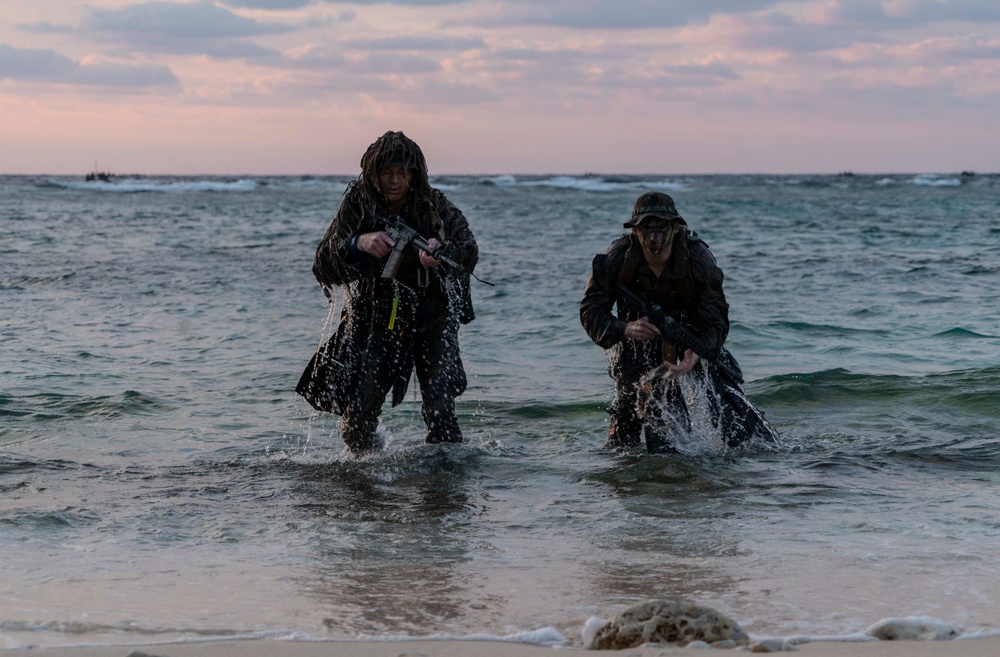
500, 86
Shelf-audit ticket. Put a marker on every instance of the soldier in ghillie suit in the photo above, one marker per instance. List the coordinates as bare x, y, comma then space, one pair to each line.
389, 327
663, 261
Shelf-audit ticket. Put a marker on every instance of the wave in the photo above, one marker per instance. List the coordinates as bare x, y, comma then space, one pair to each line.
886, 384
168, 635
75, 627
615, 183
963, 333
945, 423
587, 183
930, 180
499, 181
20, 282
168, 184
312, 183
584, 183
137, 185
48, 521
831, 330
862, 181
961, 402
602, 184
54, 406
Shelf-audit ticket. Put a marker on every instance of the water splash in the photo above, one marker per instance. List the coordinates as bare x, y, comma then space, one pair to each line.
698, 431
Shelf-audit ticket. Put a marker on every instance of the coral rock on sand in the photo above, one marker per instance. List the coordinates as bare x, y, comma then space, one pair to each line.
913, 628
677, 623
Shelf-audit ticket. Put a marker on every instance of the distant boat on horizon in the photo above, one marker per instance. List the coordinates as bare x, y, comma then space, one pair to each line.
108, 177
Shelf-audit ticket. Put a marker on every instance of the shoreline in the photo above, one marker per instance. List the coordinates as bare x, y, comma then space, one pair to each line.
976, 646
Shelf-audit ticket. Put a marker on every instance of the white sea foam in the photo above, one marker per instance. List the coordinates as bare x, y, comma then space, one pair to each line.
586, 183
931, 180
545, 636
132, 185
913, 628
600, 184
797, 639
446, 187
500, 181
590, 630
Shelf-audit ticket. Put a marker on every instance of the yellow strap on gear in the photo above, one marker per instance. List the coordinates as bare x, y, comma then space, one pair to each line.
392, 317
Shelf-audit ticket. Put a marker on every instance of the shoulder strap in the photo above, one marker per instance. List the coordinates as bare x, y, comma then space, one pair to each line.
630, 264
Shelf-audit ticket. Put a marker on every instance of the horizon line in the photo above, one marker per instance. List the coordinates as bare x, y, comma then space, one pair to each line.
846, 173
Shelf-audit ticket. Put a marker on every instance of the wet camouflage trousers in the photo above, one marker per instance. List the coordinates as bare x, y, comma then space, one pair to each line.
426, 341
643, 411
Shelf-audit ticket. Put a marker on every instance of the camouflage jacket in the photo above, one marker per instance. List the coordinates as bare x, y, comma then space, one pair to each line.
689, 288
337, 263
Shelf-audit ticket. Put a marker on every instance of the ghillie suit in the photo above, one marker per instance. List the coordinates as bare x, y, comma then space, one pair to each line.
389, 327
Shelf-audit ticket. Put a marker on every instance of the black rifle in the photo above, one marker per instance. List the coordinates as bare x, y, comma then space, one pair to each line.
675, 332
403, 236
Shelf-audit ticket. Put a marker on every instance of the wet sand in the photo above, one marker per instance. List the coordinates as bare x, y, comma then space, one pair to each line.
979, 647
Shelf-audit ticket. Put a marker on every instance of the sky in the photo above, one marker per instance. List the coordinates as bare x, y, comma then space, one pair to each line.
295, 87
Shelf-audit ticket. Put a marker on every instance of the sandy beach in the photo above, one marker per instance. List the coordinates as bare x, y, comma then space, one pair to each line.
979, 647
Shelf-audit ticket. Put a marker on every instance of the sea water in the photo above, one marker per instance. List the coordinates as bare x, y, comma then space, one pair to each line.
160, 480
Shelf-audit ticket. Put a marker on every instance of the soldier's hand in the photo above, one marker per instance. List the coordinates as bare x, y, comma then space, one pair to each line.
685, 365
379, 244
428, 260
642, 330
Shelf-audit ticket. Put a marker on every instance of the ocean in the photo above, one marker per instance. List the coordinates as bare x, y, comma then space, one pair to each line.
160, 480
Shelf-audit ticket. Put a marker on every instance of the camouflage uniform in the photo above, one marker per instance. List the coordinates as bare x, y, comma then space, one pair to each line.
689, 288
354, 371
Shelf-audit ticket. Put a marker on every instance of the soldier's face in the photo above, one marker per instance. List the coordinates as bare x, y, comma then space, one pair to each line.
394, 181
656, 235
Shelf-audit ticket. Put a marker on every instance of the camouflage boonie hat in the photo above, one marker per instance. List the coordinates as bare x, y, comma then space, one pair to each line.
652, 204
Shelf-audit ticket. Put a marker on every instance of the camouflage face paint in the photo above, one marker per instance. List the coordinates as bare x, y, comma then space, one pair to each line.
656, 237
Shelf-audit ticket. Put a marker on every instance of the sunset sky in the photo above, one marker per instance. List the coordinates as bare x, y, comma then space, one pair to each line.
511, 86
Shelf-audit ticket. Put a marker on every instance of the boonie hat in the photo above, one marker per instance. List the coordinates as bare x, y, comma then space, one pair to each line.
652, 204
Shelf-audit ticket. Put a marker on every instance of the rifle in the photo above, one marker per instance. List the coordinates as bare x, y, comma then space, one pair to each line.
674, 331
740, 419
402, 235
